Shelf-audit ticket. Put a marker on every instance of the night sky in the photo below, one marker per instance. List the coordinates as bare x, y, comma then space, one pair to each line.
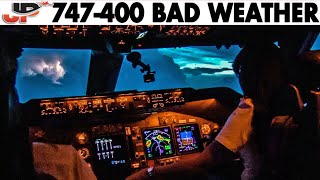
45, 73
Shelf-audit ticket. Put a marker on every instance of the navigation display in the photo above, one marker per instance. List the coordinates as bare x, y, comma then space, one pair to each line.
111, 149
188, 138
158, 142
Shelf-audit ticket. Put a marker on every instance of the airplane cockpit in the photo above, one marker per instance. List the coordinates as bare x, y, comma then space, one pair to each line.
130, 97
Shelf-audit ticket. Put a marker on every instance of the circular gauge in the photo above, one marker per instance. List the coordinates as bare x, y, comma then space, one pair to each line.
84, 153
82, 138
205, 129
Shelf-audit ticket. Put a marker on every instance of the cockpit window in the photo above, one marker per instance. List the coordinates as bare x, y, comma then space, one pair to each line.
46, 73
316, 44
196, 67
49, 73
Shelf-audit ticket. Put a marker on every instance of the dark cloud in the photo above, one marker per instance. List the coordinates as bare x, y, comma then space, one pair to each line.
201, 54
201, 71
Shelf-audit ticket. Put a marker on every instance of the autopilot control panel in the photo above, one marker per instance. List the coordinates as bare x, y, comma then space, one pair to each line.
115, 103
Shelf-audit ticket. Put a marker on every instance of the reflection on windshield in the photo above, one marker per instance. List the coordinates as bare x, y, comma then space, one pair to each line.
196, 67
45, 73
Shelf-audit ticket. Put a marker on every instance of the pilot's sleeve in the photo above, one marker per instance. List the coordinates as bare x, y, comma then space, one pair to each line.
84, 170
61, 162
236, 131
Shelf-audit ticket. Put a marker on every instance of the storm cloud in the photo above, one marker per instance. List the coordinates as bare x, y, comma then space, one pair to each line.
50, 68
46, 73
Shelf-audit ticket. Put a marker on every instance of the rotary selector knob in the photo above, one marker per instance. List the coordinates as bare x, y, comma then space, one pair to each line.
84, 153
205, 129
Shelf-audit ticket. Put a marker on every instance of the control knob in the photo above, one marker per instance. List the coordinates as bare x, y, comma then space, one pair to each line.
84, 153
205, 129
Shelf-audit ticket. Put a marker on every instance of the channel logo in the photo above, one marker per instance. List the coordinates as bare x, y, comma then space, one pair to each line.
23, 10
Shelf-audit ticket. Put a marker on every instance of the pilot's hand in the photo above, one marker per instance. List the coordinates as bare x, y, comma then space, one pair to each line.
236, 131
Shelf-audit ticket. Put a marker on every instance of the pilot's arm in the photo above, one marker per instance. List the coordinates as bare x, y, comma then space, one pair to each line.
233, 136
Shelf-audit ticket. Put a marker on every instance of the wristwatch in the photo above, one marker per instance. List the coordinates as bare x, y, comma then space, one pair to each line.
150, 171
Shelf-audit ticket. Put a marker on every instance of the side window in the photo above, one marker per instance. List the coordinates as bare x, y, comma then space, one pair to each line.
316, 44
49, 73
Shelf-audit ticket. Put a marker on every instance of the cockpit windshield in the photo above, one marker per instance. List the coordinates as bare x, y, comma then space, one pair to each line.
48, 73
195, 66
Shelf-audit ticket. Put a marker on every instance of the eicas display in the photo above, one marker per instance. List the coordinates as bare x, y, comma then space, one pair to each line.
111, 149
158, 142
188, 138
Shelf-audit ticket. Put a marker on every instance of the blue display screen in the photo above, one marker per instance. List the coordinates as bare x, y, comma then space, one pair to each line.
188, 138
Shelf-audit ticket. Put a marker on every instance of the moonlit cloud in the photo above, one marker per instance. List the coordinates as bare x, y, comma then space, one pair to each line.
50, 68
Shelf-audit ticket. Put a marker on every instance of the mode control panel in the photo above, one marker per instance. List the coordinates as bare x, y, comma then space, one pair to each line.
139, 102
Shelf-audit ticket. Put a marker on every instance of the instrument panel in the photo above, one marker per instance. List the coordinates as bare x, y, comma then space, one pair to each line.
121, 133
119, 149
116, 103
